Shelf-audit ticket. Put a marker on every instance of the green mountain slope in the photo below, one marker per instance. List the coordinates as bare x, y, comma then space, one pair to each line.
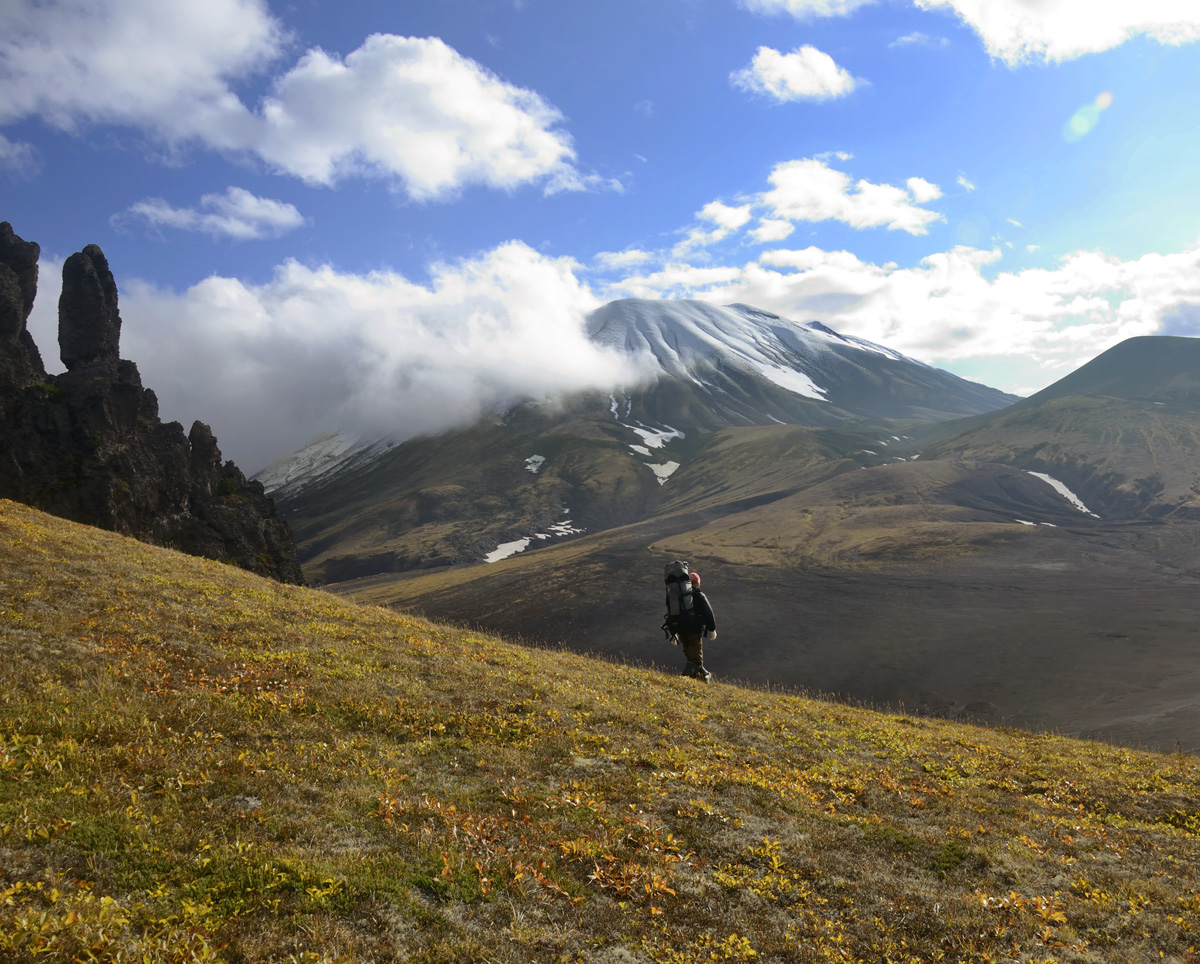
452, 499
197, 764
1126, 459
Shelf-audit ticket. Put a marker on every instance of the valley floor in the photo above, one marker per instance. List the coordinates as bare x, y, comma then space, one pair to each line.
1092, 633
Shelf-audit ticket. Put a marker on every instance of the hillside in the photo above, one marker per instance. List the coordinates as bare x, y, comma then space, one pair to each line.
1126, 458
199, 764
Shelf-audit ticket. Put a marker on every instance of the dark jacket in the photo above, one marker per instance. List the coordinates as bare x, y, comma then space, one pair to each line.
704, 610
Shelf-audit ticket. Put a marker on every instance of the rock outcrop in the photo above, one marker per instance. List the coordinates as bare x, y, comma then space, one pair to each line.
88, 445
89, 325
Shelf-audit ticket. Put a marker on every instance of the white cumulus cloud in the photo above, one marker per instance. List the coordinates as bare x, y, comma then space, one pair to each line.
805, 9
137, 62
810, 190
236, 214
772, 229
922, 191
725, 216
1050, 31
804, 74
410, 110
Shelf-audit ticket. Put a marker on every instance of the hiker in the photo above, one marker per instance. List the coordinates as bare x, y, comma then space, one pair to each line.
689, 617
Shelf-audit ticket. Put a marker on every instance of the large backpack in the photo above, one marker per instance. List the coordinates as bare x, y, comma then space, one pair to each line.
681, 612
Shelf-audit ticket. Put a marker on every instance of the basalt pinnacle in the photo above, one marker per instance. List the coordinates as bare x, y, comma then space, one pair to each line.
88, 445
89, 324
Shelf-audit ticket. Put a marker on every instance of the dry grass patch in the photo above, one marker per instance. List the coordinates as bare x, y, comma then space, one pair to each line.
198, 764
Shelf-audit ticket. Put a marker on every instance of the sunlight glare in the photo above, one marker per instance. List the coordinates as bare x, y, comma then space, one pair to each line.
1086, 118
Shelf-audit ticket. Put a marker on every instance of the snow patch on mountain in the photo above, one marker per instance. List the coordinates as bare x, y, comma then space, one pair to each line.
325, 453
663, 471
559, 529
655, 438
1064, 492
506, 549
534, 463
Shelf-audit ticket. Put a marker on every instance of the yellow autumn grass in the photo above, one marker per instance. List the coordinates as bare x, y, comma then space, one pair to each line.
198, 764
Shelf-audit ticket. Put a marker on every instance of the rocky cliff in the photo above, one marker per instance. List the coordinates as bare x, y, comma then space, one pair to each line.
88, 444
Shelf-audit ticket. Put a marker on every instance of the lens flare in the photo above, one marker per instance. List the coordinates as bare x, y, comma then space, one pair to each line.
1086, 118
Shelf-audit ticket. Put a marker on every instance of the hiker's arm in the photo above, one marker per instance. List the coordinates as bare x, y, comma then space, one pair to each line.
706, 612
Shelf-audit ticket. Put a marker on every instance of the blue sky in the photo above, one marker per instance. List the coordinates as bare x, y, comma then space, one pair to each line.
384, 216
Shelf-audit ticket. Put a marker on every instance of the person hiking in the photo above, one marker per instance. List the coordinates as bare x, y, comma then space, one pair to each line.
689, 617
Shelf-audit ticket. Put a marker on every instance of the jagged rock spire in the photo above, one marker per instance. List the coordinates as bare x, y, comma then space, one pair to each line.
89, 324
20, 362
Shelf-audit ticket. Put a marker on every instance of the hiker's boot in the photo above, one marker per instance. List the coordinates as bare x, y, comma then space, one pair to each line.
702, 674
692, 669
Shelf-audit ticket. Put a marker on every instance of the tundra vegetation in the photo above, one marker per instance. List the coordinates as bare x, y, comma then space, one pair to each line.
198, 764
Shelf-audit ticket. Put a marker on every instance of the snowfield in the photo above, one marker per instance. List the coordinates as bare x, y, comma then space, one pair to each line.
1064, 492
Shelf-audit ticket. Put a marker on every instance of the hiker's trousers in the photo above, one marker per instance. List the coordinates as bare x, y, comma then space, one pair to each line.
693, 647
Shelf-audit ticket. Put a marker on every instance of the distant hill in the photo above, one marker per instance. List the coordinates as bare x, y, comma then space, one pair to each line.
1156, 368
1123, 431
203, 765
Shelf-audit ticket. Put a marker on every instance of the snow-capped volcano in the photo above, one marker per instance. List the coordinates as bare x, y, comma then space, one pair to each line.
685, 337
748, 365
707, 367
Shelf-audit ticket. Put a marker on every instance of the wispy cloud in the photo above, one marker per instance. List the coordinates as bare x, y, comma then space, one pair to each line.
622, 259
965, 183
805, 9
19, 159
918, 39
236, 214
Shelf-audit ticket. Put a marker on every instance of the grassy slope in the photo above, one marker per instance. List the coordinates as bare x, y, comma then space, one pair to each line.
194, 758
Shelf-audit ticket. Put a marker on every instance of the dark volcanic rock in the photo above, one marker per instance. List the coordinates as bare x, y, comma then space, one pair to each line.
20, 361
88, 445
89, 325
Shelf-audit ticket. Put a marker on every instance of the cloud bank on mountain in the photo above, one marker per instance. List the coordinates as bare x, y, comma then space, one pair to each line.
378, 354
372, 354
